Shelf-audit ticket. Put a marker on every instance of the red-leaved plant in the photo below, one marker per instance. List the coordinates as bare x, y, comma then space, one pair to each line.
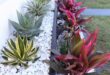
74, 18
72, 11
71, 5
82, 58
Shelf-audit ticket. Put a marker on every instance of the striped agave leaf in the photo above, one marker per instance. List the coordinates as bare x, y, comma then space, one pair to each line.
19, 52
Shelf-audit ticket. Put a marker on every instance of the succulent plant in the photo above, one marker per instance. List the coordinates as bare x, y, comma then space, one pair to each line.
19, 52
38, 7
28, 25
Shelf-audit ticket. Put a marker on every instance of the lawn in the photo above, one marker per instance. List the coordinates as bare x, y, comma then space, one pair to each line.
103, 24
96, 3
103, 42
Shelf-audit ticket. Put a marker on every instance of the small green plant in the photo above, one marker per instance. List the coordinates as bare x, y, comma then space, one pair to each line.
28, 25
38, 7
63, 48
19, 52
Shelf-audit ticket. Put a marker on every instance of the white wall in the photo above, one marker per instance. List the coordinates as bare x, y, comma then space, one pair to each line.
8, 10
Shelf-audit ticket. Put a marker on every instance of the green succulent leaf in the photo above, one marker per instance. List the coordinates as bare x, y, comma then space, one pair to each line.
27, 25
4, 57
38, 7
36, 59
21, 19
16, 25
19, 52
8, 62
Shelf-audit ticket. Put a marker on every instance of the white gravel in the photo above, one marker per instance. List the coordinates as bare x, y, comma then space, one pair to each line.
43, 41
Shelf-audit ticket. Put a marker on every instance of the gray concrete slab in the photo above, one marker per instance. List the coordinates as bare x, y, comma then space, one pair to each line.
97, 12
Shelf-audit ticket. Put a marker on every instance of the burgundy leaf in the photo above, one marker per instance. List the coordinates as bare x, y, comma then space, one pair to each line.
71, 2
91, 42
60, 57
78, 4
71, 67
79, 11
84, 56
83, 21
99, 60
70, 57
71, 17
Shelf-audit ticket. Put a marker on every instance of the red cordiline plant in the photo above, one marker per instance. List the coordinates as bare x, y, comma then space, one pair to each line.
82, 58
73, 18
72, 12
71, 5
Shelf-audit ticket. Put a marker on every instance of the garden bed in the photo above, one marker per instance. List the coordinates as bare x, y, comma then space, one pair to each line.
58, 35
60, 46
43, 41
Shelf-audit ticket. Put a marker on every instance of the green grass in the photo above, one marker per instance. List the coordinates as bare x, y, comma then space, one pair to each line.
103, 41
96, 3
103, 24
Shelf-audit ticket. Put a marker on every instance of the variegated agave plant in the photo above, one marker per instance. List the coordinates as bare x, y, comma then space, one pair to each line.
19, 52
28, 25
38, 7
